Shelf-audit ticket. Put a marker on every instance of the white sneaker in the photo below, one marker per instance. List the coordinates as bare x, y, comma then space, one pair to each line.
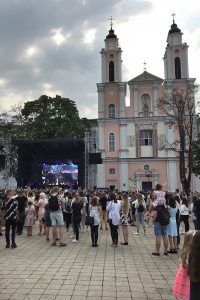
136, 233
72, 236
75, 241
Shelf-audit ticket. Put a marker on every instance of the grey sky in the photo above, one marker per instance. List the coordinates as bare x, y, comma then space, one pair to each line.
52, 47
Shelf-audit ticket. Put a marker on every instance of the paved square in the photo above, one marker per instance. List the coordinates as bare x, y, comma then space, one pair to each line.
37, 270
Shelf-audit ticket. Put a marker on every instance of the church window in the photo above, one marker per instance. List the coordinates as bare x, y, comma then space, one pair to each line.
111, 71
146, 104
177, 67
146, 137
111, 111
111, 142
111, 171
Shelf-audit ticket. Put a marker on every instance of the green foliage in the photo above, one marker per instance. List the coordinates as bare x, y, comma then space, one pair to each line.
49, 117
195, 157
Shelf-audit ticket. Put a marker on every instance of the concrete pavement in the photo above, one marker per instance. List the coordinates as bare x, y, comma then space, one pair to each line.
37, 270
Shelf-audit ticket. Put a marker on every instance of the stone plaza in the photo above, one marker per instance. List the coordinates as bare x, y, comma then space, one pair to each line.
37, 270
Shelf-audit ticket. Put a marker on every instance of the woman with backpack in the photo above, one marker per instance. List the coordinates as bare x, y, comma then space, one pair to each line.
140, 207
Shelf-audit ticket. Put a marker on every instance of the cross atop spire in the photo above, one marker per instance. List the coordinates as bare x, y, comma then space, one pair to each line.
145, 67
173, 15
111, 21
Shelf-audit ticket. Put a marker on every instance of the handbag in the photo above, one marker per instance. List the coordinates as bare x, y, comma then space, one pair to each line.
89, 221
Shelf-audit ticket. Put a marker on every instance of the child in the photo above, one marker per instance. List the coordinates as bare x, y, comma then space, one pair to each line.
159, 196
194, 267
30, 214
181, 288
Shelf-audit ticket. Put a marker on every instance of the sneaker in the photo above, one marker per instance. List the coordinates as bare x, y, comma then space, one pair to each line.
72, 236
136, 233
13, 246
75, 241
7, 245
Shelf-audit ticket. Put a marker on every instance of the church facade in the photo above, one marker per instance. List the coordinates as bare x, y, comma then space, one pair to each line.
139, 147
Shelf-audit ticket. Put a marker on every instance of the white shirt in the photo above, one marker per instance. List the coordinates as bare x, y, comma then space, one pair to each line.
184, 210
114, 211
95, 214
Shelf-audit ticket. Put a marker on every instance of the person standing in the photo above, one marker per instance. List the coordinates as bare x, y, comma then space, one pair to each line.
113, 210
56, 217
184, 213
22, 204
124, 217
103, 202
95, 213
10, 210
172, 228
140, 208
30, 218
77, 206
194, 267
41, 211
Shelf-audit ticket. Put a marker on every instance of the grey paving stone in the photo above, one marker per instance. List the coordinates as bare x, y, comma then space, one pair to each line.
39, 271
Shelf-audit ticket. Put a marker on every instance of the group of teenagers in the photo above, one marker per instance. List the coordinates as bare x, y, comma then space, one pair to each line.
57, 209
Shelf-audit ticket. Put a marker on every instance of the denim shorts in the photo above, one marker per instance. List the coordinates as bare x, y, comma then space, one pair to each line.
57, 218
160, 230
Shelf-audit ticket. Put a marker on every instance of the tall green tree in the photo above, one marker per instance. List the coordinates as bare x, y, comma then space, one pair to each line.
49, 117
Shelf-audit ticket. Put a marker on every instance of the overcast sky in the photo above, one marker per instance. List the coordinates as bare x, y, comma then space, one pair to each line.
52, 46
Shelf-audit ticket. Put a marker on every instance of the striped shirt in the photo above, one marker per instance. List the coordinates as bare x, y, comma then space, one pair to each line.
10, 209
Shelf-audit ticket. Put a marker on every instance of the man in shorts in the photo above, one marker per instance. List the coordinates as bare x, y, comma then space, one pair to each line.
56, 217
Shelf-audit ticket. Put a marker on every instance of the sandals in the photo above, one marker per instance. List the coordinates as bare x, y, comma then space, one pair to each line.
155, 253
62, 245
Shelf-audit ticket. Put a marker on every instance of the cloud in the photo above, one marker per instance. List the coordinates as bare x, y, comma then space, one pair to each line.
53, 47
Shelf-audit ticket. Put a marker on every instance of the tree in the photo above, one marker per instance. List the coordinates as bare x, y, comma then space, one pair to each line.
49, 117
195, 162
180, 107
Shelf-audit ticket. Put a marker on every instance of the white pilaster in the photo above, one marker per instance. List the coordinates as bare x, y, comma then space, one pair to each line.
122, 95
171, 176
124, 184
100, 90
135, 99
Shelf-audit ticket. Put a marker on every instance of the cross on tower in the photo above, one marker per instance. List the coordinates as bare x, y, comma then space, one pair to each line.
145, 67
111, 21
173, 15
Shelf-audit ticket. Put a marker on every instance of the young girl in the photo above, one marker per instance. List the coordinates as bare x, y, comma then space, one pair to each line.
172, 228
41, 211
30, 218
124, 217
194, 267
159, 196
181, 288
47, 220
140, 208
95, 213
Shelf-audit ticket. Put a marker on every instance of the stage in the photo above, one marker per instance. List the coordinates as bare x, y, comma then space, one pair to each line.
43, 162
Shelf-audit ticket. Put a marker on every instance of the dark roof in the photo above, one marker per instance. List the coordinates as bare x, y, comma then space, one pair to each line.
111, 34
146, 76
174, 28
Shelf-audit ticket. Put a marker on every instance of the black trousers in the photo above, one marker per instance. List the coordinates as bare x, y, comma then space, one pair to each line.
68, 219
94, 233
10, 224
114, 233
76, 223
20, 222
194, 291
185, 219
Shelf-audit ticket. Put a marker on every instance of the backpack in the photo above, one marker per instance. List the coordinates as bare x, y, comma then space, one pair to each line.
68, 205
140, 208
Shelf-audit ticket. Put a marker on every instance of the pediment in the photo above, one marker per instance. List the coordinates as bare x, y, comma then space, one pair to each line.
146, 76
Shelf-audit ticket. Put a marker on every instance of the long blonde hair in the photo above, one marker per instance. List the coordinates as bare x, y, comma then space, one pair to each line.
125, 202
186, 247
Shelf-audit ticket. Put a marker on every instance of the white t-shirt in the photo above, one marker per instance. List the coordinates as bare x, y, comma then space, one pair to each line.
114, 211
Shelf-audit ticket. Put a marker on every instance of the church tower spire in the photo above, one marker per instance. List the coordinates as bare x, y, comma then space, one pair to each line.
176, 55
111, 58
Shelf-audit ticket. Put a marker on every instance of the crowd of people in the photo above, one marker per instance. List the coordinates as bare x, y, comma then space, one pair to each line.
59, 208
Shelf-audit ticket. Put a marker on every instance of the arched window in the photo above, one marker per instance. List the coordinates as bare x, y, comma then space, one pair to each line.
111, 71
177, 64
111, 111
146, 104
111, 142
